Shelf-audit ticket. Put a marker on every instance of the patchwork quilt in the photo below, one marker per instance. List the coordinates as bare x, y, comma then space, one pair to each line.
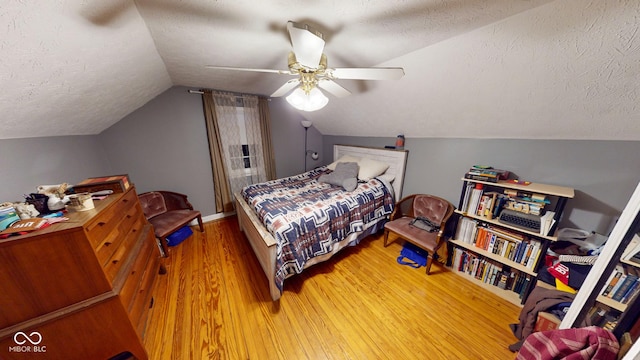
307, 217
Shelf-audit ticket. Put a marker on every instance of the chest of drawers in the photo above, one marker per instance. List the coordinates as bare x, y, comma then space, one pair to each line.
82, 288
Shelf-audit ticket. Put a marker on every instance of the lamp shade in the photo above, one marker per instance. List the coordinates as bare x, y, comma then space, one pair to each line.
314, 100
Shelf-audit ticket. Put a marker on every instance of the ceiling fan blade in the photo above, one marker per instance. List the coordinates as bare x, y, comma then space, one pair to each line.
333, 88
366, 73
282, 72
307, 44
284, 89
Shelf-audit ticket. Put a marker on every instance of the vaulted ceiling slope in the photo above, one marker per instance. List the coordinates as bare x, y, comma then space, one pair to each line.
563, 69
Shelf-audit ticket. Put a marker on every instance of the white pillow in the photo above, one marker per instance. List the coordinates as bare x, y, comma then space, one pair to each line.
344, 158
388, 177
370, 168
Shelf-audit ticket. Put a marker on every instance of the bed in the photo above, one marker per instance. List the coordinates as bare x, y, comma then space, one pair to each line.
275, 244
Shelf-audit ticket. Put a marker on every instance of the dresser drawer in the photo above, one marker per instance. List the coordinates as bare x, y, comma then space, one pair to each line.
141, 301
136, 272
123, 251
99, 227
132, 221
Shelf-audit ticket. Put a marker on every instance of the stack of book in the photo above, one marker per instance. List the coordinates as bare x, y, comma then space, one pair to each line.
525, 202
491, 273
621, 286
509, 245
486, 173
480, 203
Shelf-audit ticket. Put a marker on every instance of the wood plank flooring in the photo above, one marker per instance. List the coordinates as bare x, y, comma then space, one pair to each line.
214, 303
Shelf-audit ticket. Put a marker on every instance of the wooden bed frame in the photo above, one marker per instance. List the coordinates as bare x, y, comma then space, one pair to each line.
264, 244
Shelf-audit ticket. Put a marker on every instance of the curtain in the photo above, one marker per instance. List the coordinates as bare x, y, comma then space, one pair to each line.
238, 127
265, 127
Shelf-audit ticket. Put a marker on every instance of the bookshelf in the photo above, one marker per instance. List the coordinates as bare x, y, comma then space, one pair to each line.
619, 291
590, 298
502, 256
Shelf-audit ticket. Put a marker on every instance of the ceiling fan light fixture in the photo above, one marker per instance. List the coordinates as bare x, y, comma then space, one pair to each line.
311, 101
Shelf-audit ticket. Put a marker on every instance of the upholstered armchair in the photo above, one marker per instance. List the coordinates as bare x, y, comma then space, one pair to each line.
435, 209
168, 211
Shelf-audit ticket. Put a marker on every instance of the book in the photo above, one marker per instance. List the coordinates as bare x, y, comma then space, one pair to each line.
526, 285
613, 280
492, 203
546, 321
482, 205
499, 204
631, 293
489, 171
535, 254
510, 235
633, 249
485, 178
626, 284
474, 201
502, 283
617, 285
546, 222
467, 194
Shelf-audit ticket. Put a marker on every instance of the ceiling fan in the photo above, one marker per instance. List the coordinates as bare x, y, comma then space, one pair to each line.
309, 64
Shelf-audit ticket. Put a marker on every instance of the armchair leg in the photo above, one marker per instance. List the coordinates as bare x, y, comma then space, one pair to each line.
200, 223
165, 247
429, 262
434, 255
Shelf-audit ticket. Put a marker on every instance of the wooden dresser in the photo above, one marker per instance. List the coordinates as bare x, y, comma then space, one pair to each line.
80, 289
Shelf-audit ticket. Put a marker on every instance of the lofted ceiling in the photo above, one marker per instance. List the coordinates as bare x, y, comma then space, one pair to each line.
537, 69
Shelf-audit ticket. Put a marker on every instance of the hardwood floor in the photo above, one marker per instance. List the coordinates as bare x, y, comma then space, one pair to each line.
214, 303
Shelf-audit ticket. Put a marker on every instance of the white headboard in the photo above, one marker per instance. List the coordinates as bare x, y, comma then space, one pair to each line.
397, 160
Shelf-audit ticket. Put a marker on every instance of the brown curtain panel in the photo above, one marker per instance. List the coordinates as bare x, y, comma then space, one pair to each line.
265, 128
221, 188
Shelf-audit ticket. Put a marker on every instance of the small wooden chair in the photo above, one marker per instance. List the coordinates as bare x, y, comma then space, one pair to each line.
434, 208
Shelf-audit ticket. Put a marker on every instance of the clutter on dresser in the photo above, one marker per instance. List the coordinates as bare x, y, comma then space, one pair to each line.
80, 202
21, 227
56, 196
39, 202
8, 215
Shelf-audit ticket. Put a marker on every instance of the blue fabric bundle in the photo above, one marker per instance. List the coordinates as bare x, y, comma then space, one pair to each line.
412, 255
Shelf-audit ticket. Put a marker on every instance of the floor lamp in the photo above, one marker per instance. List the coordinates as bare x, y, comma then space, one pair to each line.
314, 155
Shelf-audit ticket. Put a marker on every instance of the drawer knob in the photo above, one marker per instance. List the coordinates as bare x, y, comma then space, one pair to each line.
102, 223
107, 243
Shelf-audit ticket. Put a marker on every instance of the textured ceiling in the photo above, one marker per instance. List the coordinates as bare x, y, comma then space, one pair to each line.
565, 69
